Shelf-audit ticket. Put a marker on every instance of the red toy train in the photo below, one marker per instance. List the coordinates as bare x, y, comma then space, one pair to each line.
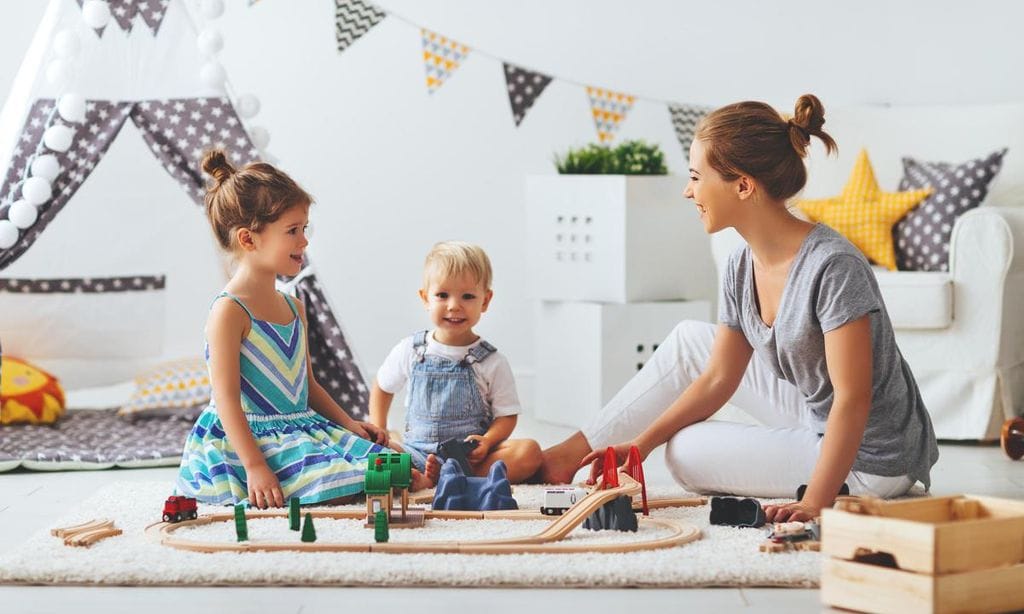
178, 508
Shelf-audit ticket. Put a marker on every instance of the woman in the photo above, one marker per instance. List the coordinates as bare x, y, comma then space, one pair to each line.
803, 344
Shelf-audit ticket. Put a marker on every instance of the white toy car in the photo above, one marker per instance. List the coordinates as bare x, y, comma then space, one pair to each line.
560, 498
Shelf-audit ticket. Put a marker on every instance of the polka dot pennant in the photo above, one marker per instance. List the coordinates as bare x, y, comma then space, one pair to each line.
864, 214
441, 57
609, 109
124, 12
524, 87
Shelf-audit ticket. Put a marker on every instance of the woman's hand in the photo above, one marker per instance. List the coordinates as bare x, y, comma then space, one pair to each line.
373, 432
264, 489
596, 460
480, 452
791, 512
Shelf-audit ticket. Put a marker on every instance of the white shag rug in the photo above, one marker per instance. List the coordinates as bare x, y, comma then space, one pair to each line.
725, 556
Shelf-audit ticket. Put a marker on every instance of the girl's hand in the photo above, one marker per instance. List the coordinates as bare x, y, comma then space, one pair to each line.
374, 433
791, 512
480, 452
264, 489
596, 460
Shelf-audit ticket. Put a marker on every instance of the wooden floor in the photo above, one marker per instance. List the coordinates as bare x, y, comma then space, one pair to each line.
31, 501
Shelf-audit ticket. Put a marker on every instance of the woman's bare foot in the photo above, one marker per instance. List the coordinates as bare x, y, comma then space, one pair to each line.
428, 477
562, 461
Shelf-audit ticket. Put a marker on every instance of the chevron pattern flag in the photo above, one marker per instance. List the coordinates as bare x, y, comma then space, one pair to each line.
524, 87
684, 119
609, 109
352, 19
441, 56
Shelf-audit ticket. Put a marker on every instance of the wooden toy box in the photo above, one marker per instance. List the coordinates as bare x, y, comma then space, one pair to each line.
942, 554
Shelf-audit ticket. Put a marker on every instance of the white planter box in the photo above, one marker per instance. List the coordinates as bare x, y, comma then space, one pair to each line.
616, 238
587, 351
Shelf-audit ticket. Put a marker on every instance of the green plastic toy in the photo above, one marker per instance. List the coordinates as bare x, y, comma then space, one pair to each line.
241, 528
308, 532
380, 526
294, 517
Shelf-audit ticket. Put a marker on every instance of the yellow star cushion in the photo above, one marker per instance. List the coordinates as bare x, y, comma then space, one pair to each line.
864, 214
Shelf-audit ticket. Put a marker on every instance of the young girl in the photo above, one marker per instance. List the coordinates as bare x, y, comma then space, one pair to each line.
271, 432
803, 344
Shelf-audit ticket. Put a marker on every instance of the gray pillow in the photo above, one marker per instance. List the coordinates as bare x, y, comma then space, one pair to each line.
921, 238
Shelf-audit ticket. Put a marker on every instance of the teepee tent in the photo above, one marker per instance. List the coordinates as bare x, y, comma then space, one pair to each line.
107, 264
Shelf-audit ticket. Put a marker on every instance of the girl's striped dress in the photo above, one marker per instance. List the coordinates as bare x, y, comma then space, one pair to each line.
314, 459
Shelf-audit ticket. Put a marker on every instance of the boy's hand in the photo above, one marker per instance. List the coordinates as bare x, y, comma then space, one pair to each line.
483, 448
374, 433
800, 510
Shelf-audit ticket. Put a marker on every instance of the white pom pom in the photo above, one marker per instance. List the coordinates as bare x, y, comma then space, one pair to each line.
58, 138
211, 9
66, 44
212, 74
72, 108
96, 13
247, 106
46, 166
22, 214
36, 191
210, 42
59, 73
8, 234
260, 137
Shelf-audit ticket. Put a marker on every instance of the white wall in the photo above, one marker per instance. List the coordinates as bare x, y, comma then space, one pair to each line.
395, 169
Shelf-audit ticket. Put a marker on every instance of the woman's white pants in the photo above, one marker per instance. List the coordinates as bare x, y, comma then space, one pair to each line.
771, 459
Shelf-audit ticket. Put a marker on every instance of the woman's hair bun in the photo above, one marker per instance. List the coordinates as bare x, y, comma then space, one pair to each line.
216, 164
808, 118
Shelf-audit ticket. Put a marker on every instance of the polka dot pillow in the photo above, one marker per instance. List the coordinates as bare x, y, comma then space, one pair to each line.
177, 386
921, 238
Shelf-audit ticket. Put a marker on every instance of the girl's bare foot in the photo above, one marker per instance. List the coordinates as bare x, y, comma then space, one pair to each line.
562, 461
428, 477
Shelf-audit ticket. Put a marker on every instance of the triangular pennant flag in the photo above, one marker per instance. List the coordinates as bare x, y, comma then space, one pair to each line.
684, 119
123, 13
524, 87
609, 109
352, 19
441, 56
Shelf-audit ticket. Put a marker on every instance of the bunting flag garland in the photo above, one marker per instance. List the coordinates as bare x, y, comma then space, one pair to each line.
441, 56
124, 11
352, 19
524, 87
684, 119
609, 109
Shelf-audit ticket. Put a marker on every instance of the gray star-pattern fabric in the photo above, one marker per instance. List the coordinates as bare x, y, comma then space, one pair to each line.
684, 120
83, 285
921, 238
333, 364
123, 13
103, 120
524, 87
100, 438
352, 19
179, 131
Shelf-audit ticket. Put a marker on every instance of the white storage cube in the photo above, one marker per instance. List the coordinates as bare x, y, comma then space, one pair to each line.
588, 351
616, 238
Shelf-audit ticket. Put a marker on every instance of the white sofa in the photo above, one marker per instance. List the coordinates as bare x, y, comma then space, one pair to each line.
962, 331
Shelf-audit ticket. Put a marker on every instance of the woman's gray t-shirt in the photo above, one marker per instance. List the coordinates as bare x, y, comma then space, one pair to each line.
831, 284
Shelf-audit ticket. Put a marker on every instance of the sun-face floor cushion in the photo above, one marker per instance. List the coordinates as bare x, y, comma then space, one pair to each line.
864, 214
94, 439
922, 237
171, 387
28, 394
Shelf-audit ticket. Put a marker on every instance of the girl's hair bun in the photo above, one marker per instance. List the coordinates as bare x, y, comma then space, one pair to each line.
216, 164
808, 118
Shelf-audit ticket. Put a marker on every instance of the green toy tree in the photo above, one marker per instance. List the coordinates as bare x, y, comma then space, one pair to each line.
241, 528
294, 516
308, 532
380, 526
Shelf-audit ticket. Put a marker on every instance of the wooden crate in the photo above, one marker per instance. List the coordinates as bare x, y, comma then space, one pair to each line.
940, 554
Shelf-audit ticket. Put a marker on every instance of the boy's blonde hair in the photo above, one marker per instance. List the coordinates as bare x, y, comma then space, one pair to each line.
455, 258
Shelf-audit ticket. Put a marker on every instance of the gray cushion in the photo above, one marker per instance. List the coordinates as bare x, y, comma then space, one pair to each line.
921, 239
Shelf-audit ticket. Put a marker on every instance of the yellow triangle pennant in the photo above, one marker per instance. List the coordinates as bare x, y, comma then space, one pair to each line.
441, 56
609, 109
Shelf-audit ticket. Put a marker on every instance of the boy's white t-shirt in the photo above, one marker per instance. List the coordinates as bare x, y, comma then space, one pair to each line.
493, 375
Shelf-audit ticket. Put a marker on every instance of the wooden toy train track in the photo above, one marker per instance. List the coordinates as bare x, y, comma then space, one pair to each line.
547, 541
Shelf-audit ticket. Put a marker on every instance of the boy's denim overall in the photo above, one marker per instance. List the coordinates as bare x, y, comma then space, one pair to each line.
444, 400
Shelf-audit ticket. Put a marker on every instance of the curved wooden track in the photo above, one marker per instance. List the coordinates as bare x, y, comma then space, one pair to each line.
547, 541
